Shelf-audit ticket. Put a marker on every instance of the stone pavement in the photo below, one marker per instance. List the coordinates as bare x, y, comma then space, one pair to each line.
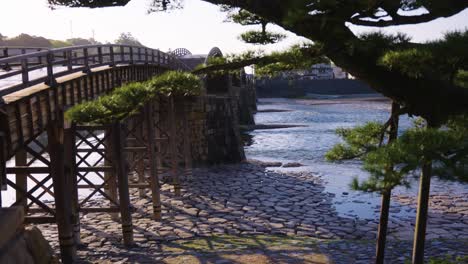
245, 200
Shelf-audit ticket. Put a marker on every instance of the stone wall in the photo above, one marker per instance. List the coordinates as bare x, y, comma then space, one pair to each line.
298, 88
214, 129
214, 120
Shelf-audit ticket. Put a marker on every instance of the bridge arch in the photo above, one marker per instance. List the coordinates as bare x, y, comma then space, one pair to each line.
180, 52
216, 84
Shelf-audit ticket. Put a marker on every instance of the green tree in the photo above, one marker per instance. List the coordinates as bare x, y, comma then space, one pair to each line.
245, 18
25, 40
82, 41
127, 39
60, 43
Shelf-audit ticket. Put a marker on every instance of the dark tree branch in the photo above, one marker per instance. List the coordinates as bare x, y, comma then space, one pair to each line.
444, 8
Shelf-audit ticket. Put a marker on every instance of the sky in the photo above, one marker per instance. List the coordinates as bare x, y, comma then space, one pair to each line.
198, 27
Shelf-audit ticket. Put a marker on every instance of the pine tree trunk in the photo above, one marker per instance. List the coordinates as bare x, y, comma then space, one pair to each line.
383, 223
423, 207
387, 194
421, 217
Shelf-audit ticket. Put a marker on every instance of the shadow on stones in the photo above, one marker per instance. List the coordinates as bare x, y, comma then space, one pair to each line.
234, 203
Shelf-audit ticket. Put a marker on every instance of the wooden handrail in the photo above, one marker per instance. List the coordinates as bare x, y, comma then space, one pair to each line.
78, 58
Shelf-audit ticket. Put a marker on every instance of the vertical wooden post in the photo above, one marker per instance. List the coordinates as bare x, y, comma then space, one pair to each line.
122, 176
154, 177
50, 69
2, 165
55, 135
140, 166
24, 71
70, 172
187, 142
173, 146
111, 179
158, 135
21, 178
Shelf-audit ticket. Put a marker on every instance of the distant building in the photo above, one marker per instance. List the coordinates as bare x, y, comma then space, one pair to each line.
321, 71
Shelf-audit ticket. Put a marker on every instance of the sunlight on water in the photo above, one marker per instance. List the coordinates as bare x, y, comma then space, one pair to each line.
309, 144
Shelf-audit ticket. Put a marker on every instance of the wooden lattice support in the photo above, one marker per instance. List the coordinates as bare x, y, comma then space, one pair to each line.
140, 135
41, 176
110, 167
118, 157
94, 140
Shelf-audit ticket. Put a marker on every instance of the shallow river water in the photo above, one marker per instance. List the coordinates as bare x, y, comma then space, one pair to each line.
309, 144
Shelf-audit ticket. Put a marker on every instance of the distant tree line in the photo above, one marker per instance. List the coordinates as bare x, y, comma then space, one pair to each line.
26, 40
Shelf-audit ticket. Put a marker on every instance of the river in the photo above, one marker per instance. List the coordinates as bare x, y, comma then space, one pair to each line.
308, 145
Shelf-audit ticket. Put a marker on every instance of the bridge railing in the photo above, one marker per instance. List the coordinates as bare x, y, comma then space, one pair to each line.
46, 65
6, 52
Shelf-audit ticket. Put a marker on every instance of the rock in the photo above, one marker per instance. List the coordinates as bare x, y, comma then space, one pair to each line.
292, 165
38, 246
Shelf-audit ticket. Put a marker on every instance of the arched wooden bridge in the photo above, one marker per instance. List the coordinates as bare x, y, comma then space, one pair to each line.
55, 159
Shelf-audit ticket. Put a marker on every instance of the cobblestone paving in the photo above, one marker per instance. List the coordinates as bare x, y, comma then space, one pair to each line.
246, 200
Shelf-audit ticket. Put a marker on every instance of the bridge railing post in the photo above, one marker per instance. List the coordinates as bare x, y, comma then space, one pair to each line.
5, 67
100, 58
69, 60
131, 55
159, 58
86, 62
111, 56
50, 69
146, 56
122, 54
24, 71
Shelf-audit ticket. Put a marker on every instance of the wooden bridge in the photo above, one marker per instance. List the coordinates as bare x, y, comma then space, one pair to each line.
75, 163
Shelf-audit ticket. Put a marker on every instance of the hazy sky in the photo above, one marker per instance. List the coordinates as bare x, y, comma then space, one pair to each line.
198, 27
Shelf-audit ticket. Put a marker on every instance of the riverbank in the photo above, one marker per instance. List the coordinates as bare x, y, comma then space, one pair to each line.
245, 208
